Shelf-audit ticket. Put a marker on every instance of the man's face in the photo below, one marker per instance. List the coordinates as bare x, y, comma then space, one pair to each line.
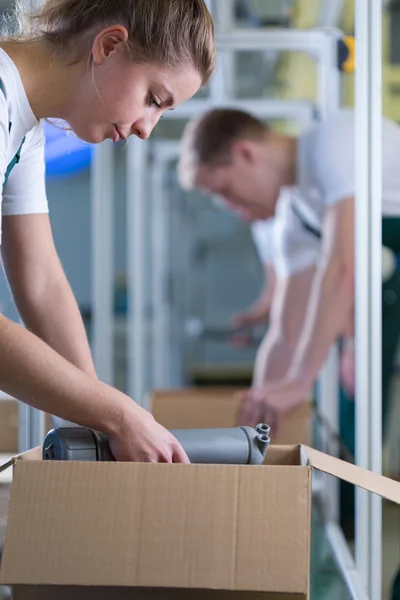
245, 184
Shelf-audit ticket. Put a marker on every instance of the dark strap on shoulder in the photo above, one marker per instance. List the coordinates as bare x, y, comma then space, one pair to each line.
307, 226
17, 156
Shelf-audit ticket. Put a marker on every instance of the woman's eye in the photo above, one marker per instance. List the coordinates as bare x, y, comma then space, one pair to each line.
155, 102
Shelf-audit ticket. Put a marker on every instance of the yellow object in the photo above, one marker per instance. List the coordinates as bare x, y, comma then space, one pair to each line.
349, 64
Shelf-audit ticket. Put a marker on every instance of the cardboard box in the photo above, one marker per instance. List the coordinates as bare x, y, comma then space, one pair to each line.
212, 407
157, 531
9, 424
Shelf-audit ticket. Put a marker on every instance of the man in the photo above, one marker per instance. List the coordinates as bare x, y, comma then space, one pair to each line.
307, 187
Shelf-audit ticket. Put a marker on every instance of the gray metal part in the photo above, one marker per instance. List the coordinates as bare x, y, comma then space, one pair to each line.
238, 445
70, 443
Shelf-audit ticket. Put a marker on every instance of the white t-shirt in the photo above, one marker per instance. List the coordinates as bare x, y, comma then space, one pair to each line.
25, 191
326, 159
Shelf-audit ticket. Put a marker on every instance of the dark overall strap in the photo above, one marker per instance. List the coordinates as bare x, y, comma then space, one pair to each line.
307, 226
17, 156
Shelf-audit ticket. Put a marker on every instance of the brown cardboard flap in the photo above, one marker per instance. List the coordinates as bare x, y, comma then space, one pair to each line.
158, 525
378, 484
209, 407
34, 454
194, 408
96, 593
8, 425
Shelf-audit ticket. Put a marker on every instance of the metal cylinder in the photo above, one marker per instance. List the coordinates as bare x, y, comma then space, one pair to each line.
237, 445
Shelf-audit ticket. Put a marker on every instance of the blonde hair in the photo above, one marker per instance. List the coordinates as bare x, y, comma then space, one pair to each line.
169, 32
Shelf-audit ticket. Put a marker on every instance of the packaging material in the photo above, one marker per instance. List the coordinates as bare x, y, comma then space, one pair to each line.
156, 531
216, 407
9, 424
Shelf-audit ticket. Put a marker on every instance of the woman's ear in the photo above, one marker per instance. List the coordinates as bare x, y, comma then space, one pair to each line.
107, 42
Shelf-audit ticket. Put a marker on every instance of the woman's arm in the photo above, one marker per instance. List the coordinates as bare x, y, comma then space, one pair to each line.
40, 288
37, 375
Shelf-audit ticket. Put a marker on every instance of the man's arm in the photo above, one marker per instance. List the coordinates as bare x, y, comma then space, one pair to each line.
332, 295
40, 288
328, 316
287, 316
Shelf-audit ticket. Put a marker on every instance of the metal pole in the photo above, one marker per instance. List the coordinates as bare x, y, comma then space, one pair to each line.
328, 74
223, 83
328, 400
280, 109
102, 194
375, 429
24, 428
329, 81
161, 332
368, 212
345, 563
282, 40
31, 427
137, 156
330, 13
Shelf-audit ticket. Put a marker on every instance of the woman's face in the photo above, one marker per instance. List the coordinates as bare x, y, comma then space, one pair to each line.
116, 98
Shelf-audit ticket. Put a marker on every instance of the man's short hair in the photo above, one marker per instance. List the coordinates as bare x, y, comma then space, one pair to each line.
208, 139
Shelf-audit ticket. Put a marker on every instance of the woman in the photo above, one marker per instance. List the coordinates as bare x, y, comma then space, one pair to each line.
109, 69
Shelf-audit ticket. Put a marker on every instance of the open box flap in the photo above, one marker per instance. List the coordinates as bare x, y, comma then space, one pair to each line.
34, 454
378, 484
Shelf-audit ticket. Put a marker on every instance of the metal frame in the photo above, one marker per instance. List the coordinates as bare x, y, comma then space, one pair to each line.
345, 562
224, 18
137, 157
163, 153
31, 427
330, 13
321, 44
368, 213
102, 206
265, 108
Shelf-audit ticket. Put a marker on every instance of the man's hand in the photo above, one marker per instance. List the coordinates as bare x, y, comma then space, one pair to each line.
268, 404
245, 320
241, 339
142, 439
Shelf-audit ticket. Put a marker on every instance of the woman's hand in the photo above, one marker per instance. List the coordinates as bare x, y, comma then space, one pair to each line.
142, 439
